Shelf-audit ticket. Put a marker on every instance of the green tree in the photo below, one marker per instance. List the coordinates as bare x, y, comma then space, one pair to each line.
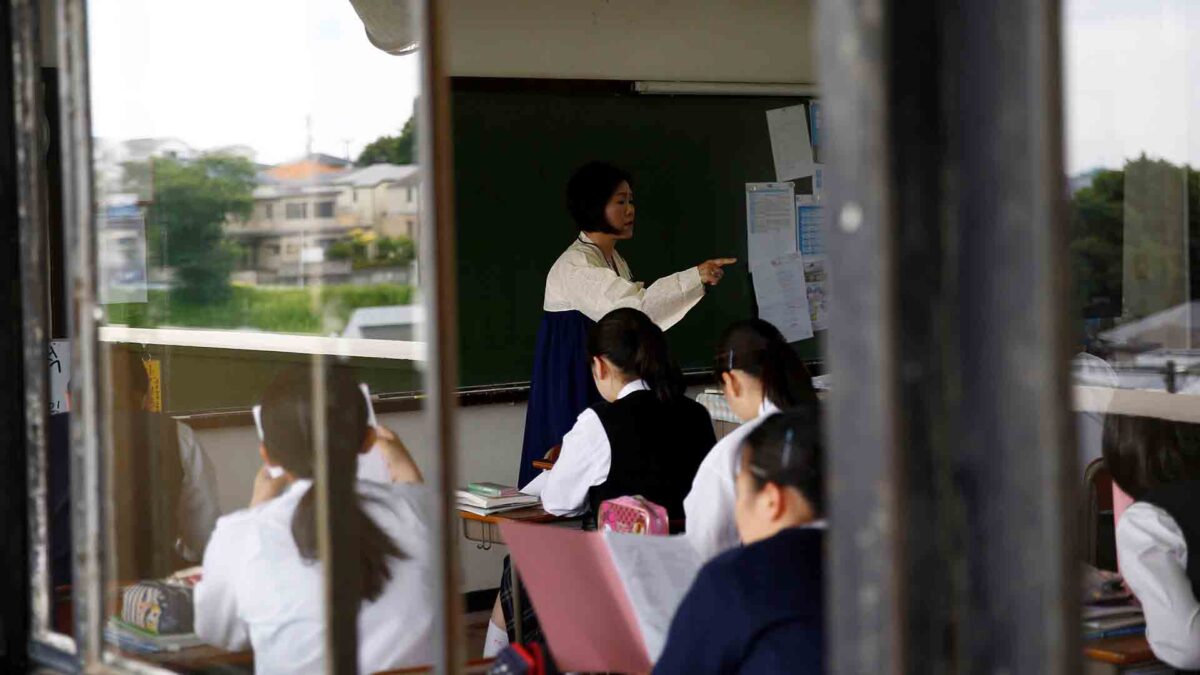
192, 200
391, 149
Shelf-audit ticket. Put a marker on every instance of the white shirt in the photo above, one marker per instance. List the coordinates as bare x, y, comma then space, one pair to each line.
582, 280
257, 590
1153, 557
583, 462
709, 506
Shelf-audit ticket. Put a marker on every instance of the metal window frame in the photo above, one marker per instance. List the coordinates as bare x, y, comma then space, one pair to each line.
952, 461
89, 471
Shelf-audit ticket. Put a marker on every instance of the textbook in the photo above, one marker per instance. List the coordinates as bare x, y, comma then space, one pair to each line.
468, 498
605, 600
488, 489
491, 512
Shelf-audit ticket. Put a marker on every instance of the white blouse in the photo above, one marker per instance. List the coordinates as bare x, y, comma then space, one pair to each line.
257, 590
709, 506
583, 462
581, 279
1153, 557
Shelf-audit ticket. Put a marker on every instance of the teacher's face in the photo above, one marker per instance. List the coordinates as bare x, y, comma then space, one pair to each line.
619, 211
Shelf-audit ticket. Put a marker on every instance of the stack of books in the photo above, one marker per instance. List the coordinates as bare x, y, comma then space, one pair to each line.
485, 499
1112, 620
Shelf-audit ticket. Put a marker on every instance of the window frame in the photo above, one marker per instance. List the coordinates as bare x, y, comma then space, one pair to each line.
86, 649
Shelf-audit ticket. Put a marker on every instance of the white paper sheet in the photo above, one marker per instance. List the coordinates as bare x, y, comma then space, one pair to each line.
656, 572
770, 221
790, 144
782, 295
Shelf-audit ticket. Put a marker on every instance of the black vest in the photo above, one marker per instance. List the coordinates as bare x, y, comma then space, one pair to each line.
656, 449
1181, 501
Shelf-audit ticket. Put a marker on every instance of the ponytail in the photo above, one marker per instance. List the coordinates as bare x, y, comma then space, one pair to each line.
758, 348
374, 545
638, 348
288, 413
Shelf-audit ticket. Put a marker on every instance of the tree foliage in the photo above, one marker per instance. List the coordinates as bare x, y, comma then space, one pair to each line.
391, 149
192, 200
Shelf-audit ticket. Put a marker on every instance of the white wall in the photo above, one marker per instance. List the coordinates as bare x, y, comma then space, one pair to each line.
489, 439
686, 40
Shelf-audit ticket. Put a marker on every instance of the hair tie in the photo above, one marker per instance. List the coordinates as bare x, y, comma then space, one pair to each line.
788, 439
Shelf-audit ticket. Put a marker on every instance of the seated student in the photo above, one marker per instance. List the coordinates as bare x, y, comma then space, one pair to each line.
646, 439
760, 374
262, 583
1157, 462
757, 609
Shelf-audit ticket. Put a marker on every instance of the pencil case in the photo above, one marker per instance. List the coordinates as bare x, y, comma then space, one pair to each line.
634, 515
158, 607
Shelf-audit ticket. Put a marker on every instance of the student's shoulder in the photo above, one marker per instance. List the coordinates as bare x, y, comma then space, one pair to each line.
1144, 523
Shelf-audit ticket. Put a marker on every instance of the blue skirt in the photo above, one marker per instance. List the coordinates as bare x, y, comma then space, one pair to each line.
561, 386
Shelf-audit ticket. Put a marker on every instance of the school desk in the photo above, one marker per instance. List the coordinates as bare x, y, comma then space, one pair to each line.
1128, 653
485, 531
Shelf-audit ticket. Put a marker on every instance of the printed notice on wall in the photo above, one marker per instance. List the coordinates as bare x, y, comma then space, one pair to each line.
810, 232
770, 221
59, 358
779, 288
790, 145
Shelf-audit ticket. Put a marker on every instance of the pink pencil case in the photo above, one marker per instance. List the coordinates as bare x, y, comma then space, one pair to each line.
635, 515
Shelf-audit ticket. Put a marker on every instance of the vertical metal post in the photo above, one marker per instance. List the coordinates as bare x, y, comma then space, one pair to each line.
1018, 471
35, 310
337, 537
441, 307
87, 424
864, 584
951, 456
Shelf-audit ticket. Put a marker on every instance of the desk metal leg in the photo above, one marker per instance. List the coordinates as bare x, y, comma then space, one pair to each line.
516, 600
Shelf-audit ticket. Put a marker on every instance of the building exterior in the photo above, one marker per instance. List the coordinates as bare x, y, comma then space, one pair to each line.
302, 208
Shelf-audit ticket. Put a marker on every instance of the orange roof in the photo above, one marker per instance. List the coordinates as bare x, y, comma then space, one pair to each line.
303, 169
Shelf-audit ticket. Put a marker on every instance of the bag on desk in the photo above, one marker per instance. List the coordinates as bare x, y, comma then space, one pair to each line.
158, 607
633, 515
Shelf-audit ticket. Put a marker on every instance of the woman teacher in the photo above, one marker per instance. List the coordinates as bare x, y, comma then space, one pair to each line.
587, 281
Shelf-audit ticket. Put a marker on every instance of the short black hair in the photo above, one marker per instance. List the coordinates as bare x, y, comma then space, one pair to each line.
1142, 453
588, 192
787, 449
637, 346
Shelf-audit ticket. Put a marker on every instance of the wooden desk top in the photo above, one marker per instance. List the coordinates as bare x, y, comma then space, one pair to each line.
1123, 651
529, 514
543, 464
473, 666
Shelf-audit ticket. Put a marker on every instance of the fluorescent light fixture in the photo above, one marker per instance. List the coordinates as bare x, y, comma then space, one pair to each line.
724, 88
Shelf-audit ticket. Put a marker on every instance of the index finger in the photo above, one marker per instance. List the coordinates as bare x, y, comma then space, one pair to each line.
721, 262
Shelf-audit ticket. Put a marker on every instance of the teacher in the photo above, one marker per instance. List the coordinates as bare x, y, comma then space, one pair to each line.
587, 281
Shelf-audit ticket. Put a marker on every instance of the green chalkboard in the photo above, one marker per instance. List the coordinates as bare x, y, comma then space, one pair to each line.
516, 144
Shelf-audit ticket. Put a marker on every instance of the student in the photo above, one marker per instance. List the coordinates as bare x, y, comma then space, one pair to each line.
646, 439
262, 583
760, 374
1158, 464
587, 281
757, 609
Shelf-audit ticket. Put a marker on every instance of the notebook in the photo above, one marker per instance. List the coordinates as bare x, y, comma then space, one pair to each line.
629, 584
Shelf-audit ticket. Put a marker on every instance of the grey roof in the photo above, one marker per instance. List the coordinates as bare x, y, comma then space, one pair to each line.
375, 174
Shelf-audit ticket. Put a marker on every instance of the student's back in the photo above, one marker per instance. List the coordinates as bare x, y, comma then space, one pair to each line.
763, 605
656, 447
254, 571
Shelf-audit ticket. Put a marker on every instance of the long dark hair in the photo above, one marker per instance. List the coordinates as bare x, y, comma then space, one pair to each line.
588, 192
288, 418
757, 348
787, 449
631, 341
1144, 452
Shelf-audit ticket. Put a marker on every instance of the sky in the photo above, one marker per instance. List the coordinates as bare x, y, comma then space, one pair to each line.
225, 72
249, 72
1132, 81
